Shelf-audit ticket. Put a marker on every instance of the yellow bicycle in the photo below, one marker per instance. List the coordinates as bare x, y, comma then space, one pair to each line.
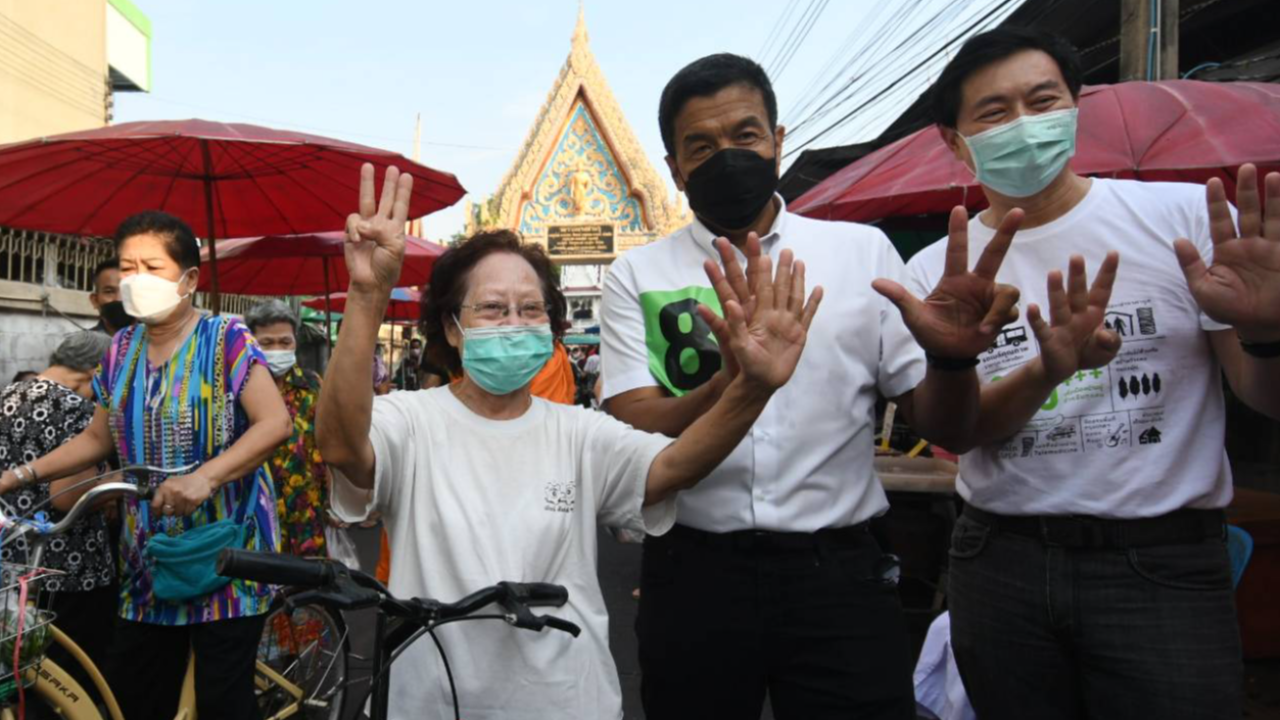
302, 659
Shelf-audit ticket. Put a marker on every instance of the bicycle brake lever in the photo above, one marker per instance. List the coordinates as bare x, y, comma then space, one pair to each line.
561, 624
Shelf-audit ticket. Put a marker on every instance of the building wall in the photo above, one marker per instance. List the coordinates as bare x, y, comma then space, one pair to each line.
31, 330
53, 70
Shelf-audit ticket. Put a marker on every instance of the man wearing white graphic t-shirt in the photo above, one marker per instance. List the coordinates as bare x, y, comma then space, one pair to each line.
770, 582
1089, 574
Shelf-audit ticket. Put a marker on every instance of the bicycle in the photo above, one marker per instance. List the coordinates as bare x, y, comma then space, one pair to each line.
56, 688
399, 622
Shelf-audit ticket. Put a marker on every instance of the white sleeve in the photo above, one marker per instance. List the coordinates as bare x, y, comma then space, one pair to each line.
902, 364
393, 446
616, 462
1203, 241
919, 274
623, 354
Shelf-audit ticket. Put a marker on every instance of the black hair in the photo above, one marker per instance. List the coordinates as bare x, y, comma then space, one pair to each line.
449, 278
180, 242
985, 48
706, 77
108, 264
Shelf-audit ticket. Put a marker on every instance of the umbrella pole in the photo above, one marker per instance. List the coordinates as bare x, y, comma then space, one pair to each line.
213, 242
328, 319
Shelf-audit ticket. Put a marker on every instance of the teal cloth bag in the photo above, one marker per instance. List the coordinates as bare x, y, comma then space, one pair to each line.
183, 567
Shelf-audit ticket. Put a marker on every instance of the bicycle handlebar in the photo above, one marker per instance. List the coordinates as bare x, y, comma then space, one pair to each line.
353, 588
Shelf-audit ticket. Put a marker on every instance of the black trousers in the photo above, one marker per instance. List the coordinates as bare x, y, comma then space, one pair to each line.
1050, 632
149, 663
806, 619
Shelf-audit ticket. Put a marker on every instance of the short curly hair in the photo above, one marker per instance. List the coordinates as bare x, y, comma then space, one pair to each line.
443, 298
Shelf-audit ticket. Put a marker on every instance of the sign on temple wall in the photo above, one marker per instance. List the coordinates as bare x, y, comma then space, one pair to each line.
581, 184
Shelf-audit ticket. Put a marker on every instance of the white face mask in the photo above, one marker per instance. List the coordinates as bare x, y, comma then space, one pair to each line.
150, 298
280, 361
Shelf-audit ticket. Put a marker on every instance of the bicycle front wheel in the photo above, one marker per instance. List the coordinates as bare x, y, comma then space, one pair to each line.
302, 664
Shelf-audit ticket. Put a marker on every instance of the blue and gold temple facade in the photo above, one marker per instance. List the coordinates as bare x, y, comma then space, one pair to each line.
581, 185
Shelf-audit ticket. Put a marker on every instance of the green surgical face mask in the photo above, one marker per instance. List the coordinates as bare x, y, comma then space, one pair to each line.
1021, 158
504, 358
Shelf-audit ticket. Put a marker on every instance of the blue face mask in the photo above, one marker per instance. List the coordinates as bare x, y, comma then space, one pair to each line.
504, 358
1021, 158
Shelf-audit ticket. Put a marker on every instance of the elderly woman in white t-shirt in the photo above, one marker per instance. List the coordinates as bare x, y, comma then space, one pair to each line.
480, 481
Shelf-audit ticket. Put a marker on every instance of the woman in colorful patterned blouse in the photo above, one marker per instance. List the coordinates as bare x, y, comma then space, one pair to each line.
36, 416
180, 388
302, 486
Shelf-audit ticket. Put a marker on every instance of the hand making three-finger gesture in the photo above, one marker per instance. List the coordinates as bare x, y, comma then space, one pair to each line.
766, 317
966, 310
375, 235
1242, 287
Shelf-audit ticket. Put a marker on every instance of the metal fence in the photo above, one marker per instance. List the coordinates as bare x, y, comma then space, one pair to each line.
40, 258
68, 261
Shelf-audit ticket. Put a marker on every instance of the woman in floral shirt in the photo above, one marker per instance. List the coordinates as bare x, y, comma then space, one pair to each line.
302, 497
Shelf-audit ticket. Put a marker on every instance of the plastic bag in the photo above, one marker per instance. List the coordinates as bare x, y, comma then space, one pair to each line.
341, 547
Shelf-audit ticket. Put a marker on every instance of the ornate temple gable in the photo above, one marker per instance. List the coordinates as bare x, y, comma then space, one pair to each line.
581, 182
581, 162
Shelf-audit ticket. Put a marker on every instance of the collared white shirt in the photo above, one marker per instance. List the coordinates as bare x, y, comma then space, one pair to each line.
807, 462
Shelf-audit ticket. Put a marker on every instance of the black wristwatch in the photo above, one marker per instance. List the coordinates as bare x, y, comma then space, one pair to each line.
1266, 350
945, 363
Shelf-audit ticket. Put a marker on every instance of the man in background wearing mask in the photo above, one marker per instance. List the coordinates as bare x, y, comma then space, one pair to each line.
302, 484
105, 298
406, 375
770, 582
1089, 573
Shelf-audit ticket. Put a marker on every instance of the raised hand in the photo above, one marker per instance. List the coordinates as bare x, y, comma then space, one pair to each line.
964, 313
375, 235
1242, 287
767, 347
1074, 338
732, 284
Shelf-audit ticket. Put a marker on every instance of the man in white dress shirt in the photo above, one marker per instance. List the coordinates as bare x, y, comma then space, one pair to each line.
770, 582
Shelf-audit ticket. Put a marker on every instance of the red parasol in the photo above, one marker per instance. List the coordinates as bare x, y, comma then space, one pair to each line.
226, 179
1172, 130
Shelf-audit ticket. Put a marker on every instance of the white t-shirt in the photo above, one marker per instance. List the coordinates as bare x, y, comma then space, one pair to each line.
1142, 436
807, 462
469, 502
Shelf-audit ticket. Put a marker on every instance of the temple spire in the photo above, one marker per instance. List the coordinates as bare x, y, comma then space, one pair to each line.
580, 31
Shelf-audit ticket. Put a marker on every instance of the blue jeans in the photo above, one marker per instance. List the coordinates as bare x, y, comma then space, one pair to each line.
1048, 632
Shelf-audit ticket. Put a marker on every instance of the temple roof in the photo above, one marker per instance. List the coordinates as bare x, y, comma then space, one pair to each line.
581, 162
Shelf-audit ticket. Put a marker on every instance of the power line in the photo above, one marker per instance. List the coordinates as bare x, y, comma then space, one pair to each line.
774, 33
959, 37
791, 36
782, 67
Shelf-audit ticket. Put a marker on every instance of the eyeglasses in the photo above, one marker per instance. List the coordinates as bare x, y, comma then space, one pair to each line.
493, 310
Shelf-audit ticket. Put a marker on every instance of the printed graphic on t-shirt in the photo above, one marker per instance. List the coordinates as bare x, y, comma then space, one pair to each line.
1117, 408
560, 496
683, 353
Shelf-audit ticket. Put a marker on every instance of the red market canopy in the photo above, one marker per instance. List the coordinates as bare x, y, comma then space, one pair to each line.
1172, 130
405, 305
225, 179
311, 264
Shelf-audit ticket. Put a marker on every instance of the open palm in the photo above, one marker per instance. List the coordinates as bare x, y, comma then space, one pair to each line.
767, 344
966, 310
1075, 338
375, 240
1242, 287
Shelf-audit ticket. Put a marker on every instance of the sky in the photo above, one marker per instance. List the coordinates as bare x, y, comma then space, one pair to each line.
478, 71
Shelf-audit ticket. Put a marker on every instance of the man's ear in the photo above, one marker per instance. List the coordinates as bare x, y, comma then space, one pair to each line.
93, 300
675, 172
955, 142
779, 134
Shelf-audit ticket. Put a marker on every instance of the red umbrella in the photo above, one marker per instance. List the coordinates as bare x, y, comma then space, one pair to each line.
302, 265
310, 264
227, 179
405, 305
1172, 130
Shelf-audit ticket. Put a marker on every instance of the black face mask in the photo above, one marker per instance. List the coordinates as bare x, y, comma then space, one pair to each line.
731, 188
114, 316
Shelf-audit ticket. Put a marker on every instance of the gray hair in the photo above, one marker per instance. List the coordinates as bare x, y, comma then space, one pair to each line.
270, 313
81, 351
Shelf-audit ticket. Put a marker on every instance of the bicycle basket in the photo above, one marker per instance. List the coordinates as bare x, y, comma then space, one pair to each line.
25, 618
